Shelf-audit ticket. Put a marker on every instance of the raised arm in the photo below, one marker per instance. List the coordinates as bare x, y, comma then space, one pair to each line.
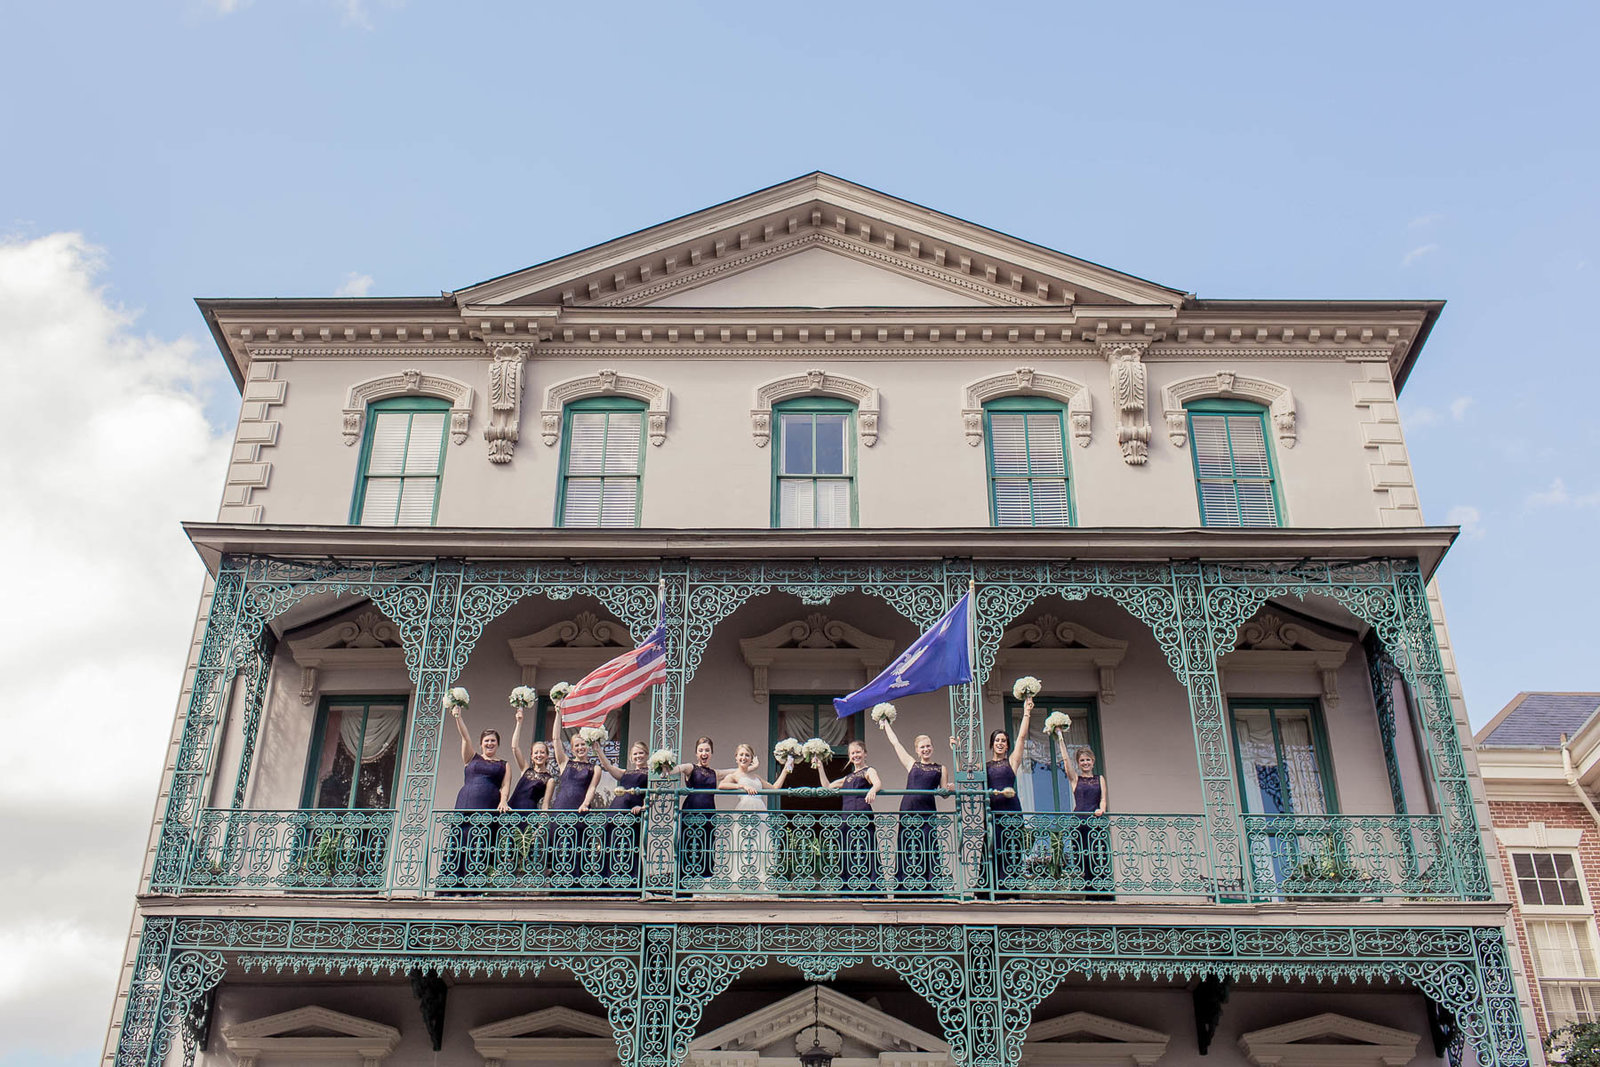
467, 748
1022, 734
605, 762
516, 744
783, 775
1068, 764
899, 750
557, 752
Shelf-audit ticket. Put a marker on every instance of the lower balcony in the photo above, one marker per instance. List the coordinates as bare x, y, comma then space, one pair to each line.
961, 855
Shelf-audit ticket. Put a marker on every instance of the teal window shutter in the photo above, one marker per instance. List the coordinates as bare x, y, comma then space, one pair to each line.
602, 463
814, 464
1233, 467
1026, 445
402, 463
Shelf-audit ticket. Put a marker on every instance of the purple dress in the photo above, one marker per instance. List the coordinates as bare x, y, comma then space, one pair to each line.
527, 794
1094, 848
917, 866
473, 841
574, 855
480, 785
858, 854
696, 826
1008, 830
572, 786
622, 831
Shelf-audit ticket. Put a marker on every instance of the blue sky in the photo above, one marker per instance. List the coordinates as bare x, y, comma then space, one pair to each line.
308, 147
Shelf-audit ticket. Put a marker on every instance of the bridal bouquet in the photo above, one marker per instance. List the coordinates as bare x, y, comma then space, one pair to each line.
594, 735
786, 750
559, 691
883, 713
816, 748
455, 698
1027, 686
1057, 721
524, 696
662, 760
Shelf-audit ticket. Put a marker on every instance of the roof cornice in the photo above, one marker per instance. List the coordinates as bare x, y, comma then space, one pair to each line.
1426, 544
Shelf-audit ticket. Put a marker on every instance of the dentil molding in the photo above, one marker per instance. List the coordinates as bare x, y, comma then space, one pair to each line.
815, 383
1025, 381
656, 397
408, 383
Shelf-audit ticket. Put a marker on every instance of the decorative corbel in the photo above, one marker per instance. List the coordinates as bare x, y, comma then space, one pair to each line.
505, 398
1129, 392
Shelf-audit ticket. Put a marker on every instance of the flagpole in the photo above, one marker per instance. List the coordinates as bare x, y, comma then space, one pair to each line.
975, 695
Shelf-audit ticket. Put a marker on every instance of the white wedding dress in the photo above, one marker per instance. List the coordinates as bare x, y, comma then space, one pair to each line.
748, 858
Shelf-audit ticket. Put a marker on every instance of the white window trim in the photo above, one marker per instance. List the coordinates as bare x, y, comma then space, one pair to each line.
815, 383
1277, 398
1025, 381
408, 383
1554, 911
657, 401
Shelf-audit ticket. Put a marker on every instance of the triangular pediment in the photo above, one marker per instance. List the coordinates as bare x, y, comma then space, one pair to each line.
1327, 1028
310, 1034
1329, 1040
852, 1019
1085, 1026
322, 1022
546, 1022
818, 241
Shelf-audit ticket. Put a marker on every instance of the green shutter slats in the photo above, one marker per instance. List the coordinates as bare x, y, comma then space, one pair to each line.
1028, 479
402, 464
604, 467
1233, 468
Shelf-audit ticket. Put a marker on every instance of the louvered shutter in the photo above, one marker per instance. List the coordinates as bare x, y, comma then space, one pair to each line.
601, 482
1233, 469
403, 462
1028, 469
797, 503
832, 503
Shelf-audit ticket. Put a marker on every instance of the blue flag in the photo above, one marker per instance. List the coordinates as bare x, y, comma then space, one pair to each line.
940, 657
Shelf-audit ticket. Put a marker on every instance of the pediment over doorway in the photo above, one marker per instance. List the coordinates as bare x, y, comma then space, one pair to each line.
864, 1035
1085, 1038
1329, 1040
550, 1035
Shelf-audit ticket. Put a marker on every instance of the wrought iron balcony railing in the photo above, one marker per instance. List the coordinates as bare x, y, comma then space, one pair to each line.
1349, 856
965, 854
314, 849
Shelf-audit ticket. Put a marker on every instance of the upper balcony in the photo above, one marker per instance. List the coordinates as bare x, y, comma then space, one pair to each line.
1255, 739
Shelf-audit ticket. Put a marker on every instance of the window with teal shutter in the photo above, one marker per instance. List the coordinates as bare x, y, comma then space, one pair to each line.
1026, 443
814, 464
402, 463
1233, 469
602, 463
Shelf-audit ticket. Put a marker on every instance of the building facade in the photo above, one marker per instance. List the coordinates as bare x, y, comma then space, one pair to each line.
807, 421
1540, 759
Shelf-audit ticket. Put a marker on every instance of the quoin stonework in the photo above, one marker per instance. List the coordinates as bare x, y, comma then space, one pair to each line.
801, 425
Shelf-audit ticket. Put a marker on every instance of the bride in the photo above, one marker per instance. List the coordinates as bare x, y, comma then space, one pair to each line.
749, 839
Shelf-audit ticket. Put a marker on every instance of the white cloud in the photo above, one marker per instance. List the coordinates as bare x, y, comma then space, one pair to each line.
354, 285
104, 446
1469, 518
1417, 418
1557, 495
1459, 406
226, 7
1417, 253
1424, 220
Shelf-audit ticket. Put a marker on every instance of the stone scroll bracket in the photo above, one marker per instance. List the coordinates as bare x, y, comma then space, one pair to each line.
657, 399
1278, 400
408, 383
815, 383
1130, 389
505, 398
1025, 381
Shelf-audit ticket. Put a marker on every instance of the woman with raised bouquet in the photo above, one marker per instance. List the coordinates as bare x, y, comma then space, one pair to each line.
1001, 773
573, 856
858, 838
485, 783
919, 861
1089, 797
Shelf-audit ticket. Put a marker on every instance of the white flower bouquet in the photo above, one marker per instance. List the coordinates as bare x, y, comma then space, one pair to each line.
816, 748
786, 750
524, 696
594, 735
883, 713
662, 760
1057, 721
559, 691
455, 698
1008, 792
1026, 686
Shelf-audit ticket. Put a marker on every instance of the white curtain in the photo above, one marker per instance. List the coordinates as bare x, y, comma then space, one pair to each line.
799, 722
383, 730
1305, 774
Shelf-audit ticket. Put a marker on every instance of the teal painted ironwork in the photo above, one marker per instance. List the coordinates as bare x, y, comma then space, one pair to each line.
257, 672
982, 981
536, 852
1360, 856
332, 849
1056, 853
1383, 676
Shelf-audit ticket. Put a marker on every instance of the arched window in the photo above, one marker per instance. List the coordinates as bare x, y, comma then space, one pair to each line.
814, 463
1026, 442
1233, 469
402, 462
602, 463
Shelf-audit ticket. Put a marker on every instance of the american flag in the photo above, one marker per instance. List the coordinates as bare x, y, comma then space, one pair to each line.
613, 684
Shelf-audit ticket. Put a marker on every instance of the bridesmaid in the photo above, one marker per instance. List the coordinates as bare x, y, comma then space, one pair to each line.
858, 853
528, 795
696, 826
1089, 797
1001, 772
571, 860
622, 824
484, 785
917, 853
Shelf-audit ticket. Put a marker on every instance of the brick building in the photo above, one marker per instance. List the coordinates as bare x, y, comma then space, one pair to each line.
1540, 758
